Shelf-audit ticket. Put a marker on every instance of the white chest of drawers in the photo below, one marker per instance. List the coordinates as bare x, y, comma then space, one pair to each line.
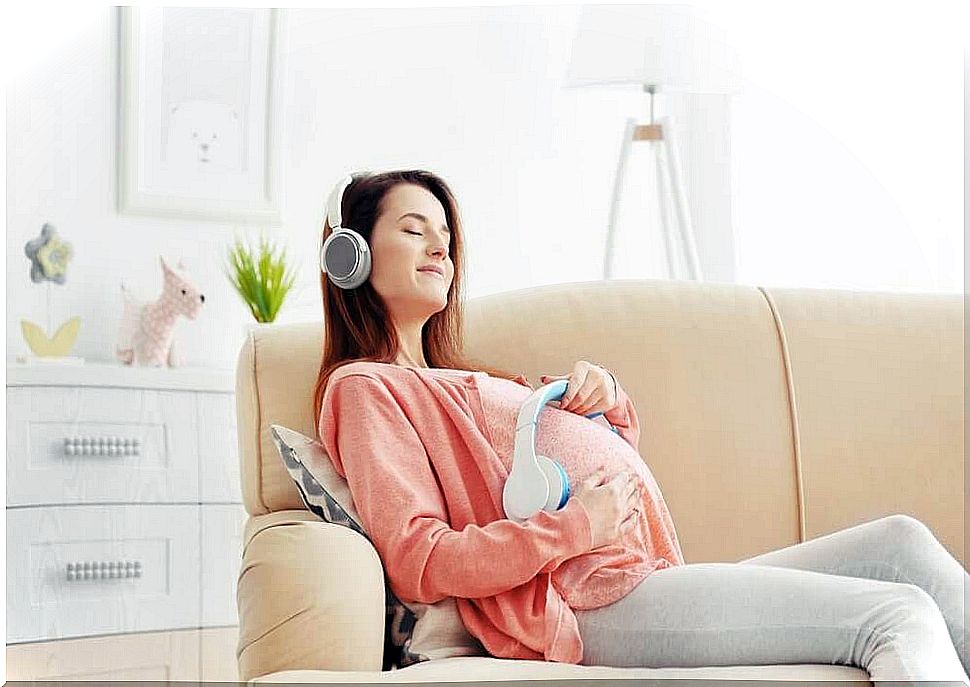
124, 521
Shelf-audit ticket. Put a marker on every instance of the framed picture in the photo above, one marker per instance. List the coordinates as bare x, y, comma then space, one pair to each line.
199, 124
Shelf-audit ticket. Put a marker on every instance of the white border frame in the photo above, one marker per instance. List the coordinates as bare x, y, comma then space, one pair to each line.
264, 210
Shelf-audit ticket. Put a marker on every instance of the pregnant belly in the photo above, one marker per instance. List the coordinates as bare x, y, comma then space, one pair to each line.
583, 446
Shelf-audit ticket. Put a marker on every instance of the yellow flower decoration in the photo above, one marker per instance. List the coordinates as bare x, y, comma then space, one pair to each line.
53, 257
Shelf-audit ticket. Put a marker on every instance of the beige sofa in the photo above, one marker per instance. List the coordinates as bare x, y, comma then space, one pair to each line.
768, 416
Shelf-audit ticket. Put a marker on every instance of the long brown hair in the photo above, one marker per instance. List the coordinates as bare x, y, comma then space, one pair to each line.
356, 322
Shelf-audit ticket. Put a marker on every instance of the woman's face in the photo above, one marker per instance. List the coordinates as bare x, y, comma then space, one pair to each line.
402, 243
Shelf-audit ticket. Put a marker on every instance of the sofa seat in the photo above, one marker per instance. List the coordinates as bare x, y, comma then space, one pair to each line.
484, 668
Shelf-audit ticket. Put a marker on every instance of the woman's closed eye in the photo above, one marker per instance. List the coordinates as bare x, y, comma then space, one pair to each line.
410, 231
415, 233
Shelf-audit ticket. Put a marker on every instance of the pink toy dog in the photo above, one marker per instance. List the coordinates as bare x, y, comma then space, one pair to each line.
145, 337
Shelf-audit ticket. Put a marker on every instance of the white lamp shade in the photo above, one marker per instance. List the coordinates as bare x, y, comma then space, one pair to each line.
671, 47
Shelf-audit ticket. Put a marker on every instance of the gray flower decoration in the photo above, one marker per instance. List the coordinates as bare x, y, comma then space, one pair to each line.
48, 256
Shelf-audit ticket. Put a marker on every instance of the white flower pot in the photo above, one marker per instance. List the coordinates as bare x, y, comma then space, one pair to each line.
252, 326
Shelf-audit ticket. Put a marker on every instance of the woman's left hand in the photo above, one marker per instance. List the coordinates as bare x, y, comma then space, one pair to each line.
590, 389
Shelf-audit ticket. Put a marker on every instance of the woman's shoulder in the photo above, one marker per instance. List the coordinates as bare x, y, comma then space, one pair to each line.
366, 368
389, 371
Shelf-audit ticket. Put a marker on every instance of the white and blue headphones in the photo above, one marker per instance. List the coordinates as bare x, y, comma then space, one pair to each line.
535, 482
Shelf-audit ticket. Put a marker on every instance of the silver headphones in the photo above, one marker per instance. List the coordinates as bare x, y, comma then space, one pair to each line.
345, 255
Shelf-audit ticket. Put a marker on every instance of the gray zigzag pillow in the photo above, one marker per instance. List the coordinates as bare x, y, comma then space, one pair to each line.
414, 632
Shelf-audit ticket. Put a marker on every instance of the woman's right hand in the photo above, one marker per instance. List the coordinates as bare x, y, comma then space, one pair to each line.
611, 505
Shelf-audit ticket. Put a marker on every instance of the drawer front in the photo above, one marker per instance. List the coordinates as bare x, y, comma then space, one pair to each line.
82, 444
141, 657
218, 449
222, 533
74, 571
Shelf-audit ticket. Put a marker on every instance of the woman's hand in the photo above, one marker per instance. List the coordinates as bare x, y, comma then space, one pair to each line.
612, 506
591, 389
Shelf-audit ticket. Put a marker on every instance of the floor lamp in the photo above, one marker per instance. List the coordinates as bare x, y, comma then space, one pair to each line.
657, 48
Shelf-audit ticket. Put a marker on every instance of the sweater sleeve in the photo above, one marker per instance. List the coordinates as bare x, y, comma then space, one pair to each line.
623, 416
400, 502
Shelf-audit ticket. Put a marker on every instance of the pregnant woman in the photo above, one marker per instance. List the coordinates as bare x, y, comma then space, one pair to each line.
424, 437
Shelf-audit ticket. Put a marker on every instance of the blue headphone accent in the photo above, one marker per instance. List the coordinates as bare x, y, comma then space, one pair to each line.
536, 482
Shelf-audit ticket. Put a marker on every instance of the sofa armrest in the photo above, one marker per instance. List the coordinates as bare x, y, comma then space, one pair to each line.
310, 595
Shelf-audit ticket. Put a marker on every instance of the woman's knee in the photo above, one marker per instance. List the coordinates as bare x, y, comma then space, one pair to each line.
905, 529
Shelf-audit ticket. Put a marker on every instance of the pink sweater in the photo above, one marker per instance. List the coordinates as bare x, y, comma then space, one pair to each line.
426, 453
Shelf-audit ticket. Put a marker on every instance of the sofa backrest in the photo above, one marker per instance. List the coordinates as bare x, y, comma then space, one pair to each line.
768, 416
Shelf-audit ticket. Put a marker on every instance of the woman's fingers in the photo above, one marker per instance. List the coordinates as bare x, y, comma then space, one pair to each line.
622, 481
595, 400
578, 389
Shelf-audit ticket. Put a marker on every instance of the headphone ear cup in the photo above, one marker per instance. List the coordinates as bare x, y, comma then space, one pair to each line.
524, 494
558, 481
345, 257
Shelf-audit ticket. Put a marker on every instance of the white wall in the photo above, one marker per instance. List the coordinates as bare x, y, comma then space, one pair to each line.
471, 93
847, 145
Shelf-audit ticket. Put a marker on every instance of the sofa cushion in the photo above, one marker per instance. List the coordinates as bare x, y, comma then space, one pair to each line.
414, 632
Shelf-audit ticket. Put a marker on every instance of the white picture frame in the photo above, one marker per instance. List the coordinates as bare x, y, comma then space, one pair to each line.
187, 75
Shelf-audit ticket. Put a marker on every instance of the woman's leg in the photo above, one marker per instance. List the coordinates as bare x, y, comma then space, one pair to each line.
707, 614
896, 548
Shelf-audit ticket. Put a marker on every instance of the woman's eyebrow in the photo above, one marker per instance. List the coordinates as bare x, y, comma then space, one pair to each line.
419, 216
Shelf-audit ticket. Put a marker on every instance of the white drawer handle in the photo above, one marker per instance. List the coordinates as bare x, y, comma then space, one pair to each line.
101, 570
102, 446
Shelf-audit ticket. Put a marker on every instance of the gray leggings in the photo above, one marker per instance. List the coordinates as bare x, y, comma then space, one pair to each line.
884, 596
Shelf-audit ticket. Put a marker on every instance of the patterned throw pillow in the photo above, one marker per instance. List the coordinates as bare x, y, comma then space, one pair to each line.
413, 632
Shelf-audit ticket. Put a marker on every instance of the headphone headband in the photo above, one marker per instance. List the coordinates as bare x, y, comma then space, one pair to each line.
528, 418
334, 216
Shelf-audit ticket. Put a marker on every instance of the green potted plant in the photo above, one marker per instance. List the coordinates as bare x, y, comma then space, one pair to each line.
261, 278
